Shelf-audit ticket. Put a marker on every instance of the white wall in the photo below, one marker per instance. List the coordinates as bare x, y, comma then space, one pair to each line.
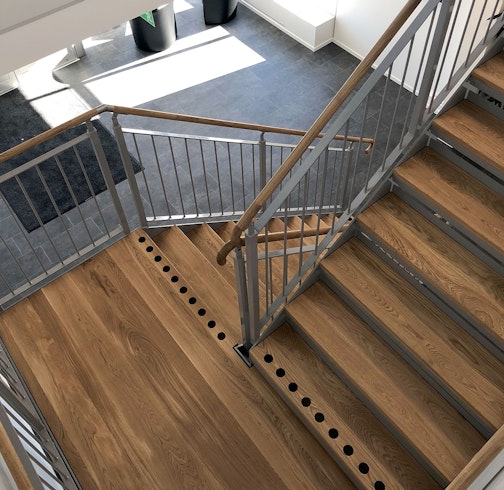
359, 23
32, 29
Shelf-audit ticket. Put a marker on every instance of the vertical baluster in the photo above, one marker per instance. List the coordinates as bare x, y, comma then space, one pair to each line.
203, 163
175, 170
160, 173
191, 177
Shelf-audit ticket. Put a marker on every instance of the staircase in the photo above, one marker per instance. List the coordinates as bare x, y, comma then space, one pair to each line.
394, 357
392, 360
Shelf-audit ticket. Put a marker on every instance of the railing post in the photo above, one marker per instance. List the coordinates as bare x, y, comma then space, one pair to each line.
262, 161
241, 287
252, 283
431, 65
107, 175
130, 174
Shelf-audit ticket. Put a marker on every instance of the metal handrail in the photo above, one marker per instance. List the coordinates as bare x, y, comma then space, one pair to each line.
355, 78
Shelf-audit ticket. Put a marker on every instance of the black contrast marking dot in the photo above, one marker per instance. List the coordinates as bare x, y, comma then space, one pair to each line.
333, 433
183, 290
306, 402
319, 417
166, 268
379, 485
202, 312
268, 358
348, 450
293, 387
157, 258
280, 372
142, 239
149, 249
192, 300
221, 335
364, 468
174, 278
211, 324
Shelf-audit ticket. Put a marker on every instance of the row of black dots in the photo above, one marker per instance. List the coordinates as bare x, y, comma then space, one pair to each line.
183, 289
319, 418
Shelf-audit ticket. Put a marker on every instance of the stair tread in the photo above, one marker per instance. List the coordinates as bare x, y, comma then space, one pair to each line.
458, 195
474, 130
384, 459
401, 398
199, 272
468, 283
491, 73
470, 373
209, 243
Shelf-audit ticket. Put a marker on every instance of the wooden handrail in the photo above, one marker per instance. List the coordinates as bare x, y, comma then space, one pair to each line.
479, 462
232, 124
50, 133
315, 130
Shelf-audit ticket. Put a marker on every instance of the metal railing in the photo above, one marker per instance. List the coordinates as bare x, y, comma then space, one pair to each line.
36, 452
75, 189
420, 62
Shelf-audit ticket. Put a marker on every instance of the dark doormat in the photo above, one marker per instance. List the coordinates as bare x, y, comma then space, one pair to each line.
47, 188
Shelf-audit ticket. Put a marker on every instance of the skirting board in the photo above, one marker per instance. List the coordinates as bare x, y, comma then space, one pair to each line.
283, 28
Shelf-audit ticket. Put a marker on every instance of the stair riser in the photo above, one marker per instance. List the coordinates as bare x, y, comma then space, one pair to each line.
489, 180
409, 357
493, 102
382, 417
494, 345
455, 229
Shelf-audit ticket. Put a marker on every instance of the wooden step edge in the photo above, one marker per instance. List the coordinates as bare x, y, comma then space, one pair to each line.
491, 73
471, 207
363, 287
396, 394
356, 440
377, 225
475, 132
493, 449
209, 243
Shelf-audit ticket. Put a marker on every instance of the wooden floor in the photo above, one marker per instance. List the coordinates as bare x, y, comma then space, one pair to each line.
136, 375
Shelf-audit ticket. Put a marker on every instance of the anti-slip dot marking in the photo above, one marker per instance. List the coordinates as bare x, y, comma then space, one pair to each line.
183, 289
319, 417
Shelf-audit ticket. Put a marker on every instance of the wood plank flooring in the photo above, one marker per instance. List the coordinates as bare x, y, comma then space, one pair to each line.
141, 386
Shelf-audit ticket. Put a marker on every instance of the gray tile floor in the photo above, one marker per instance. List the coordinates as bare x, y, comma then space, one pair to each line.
246, 70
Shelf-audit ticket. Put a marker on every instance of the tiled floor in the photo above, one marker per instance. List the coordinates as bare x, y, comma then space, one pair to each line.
246, 70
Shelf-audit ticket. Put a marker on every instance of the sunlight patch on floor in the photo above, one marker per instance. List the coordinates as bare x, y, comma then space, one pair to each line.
190, 61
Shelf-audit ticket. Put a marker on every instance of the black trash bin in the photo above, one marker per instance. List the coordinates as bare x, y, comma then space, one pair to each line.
219, 11
159, 36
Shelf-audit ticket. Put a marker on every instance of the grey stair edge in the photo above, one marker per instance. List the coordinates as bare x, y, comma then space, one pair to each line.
456, 229
458, 315
368, 403
408, 355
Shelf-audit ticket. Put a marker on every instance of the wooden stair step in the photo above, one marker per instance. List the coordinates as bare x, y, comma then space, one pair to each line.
455, 274
352, 435
456, 195
130, 333
243, 390
491, 73
209, 243
474, 130
198, 271
469, 373
412, 410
